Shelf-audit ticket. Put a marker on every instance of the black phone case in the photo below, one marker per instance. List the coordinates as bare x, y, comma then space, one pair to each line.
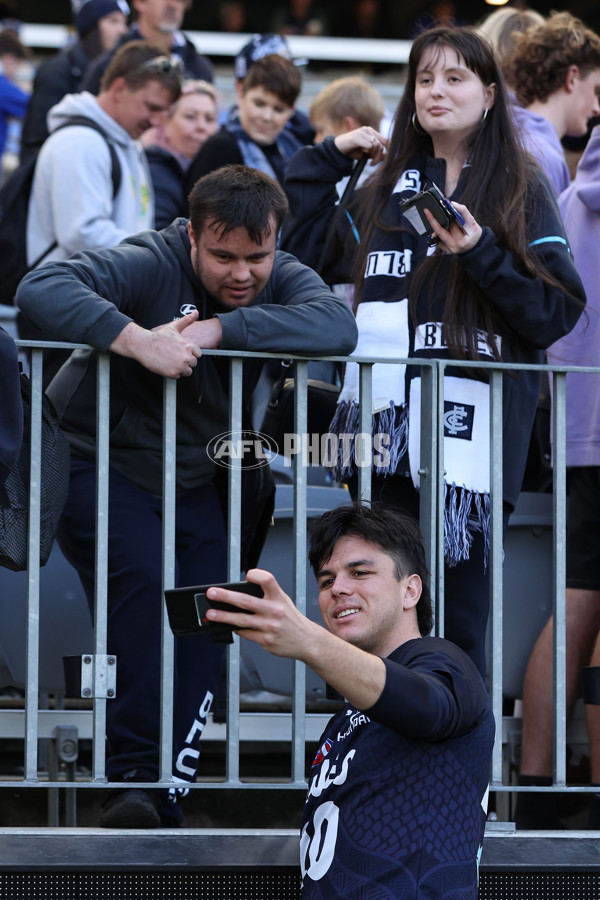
436, 207
426, 200
440, 207
187, 607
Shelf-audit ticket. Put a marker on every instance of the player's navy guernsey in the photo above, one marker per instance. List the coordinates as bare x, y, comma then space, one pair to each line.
397, 800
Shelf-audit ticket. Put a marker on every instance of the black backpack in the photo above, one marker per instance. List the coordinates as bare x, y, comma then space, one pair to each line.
14, 203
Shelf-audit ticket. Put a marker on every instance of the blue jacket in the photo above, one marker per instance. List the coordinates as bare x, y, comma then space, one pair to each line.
13, 102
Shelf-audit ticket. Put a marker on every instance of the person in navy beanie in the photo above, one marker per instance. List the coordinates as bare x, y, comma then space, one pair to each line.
101, 15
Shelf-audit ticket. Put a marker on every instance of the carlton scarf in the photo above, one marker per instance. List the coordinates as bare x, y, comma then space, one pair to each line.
386, 331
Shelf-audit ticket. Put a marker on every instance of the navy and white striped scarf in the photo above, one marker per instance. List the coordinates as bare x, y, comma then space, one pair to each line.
386, 331
253, 154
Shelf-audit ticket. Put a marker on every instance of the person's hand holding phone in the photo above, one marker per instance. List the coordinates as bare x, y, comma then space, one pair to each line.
455, 239
272, 621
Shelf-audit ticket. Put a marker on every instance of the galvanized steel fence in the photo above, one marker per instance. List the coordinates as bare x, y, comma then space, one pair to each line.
33, 723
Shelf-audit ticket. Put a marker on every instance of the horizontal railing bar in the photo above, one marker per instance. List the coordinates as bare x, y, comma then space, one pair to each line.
215, 784
252, 725
367, 360
256, 784
280, 784
218, 849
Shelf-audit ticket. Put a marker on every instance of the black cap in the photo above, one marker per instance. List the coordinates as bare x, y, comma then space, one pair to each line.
260, 45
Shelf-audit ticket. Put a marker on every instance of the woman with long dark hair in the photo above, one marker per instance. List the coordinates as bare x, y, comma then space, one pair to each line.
501, 289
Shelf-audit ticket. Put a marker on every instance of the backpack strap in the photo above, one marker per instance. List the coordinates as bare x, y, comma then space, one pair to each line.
115, 170
349, 190
90, 123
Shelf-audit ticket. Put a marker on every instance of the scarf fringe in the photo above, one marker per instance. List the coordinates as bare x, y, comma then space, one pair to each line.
465, 512
392, 421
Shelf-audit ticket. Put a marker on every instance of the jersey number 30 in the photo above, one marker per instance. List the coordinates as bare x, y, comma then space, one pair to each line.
316, 852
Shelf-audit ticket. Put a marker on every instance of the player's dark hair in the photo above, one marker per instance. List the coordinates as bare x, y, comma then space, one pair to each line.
238, 196
397, 534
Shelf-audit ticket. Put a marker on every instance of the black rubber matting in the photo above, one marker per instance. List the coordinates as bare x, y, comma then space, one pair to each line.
261, 886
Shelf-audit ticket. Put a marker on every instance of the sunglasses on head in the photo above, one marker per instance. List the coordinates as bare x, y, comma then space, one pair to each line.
163, 64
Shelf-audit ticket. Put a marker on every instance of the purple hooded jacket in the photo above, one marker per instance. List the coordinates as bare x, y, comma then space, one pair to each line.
540, 139
580, 208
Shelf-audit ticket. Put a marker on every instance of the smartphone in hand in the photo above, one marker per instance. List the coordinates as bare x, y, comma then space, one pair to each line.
187, 608
439, 205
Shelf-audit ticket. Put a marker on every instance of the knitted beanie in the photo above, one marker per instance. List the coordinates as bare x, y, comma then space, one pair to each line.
88, 13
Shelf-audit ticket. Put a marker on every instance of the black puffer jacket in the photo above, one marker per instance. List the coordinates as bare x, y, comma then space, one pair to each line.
167, 181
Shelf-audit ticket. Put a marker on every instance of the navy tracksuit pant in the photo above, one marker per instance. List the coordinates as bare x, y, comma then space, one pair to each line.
135, 602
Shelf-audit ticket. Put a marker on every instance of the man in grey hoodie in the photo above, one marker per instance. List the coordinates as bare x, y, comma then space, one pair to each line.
72, 200
76, 201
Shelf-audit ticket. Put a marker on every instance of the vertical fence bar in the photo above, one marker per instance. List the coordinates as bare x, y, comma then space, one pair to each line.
495, 563
33, 572
168, 575
428, 473
438, 586
365, 427
234, 565
300, 516
101, 580
559, 556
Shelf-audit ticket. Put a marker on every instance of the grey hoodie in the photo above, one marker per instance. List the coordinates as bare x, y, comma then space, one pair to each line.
580, 208
72, 195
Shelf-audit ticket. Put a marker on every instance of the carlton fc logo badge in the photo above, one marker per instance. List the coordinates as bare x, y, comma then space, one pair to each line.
458, 420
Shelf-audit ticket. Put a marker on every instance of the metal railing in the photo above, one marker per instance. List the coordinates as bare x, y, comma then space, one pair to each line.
222, 44
298, 726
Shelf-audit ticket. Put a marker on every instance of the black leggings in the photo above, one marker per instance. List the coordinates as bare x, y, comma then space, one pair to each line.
466, 585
